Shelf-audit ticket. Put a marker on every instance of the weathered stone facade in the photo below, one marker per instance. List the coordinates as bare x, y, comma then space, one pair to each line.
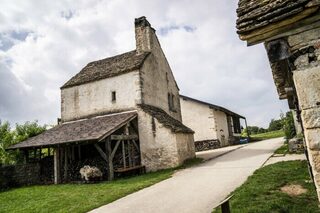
147, 80
211, 123
161, 147
94, 98
291, 32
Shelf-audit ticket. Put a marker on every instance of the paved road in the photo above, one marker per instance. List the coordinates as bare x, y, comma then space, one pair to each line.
197, 189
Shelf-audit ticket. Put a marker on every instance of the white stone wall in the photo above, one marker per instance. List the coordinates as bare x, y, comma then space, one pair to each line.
185, 146
160, 147
200, 118
157, 80
221, 126
95, 97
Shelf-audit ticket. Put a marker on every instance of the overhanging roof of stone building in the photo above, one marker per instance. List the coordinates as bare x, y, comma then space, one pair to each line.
93, 129
262, 19
165, 119
108, 67
213, 106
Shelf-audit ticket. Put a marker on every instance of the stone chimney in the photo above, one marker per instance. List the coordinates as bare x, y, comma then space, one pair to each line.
144, 35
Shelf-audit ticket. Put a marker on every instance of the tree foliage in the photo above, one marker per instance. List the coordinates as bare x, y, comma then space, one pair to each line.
288, 125
285, 123
275, 124
9, 136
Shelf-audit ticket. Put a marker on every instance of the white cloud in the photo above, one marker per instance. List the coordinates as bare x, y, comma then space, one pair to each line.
57, 38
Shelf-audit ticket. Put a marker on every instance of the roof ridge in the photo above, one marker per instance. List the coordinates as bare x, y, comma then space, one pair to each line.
108, 67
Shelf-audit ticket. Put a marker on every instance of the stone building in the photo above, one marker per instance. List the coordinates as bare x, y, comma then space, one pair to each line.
290, 31
214, 126
125, 110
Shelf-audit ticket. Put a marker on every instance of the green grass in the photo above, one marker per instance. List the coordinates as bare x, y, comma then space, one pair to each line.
282, 150
267, 135
79, 197
261, 192
75, 197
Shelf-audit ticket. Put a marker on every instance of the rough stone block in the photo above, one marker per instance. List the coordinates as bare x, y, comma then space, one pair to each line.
311, 117
313, 138
295, 145
307, 83
315, 158
303, 39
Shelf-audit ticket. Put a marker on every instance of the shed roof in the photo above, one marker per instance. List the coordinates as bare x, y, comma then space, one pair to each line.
93, 129
253, 14
213, 106
259, 20
108, 67
165, 119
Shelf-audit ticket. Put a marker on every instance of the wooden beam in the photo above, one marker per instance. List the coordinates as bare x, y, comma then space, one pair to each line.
115, 148
136, 145
103, 155
56, 157
124, 137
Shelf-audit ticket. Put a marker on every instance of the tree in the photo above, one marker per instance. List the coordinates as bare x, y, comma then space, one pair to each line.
288, 125
27, 130
275, 124
9, 137
6, 139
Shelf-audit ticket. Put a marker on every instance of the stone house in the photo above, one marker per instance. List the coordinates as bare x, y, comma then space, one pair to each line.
125, 110
214, 126
290, 31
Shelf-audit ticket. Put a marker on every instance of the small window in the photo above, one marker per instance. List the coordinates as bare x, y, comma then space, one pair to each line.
172, 102
113, 96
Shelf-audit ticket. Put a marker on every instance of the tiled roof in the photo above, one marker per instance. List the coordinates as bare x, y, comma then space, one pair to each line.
108, 67
165, 119
254, 14
92, 129
213, 106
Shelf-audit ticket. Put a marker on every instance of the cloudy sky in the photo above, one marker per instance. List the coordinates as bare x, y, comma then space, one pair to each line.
44, 43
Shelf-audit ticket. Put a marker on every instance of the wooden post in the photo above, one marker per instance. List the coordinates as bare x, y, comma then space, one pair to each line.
66, 163
25, 156
79, 152
110, 159
248, 133
56, 157
225, 208
72, 152
124, 155
130, 153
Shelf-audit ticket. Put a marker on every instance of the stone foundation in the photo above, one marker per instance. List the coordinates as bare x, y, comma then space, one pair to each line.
207, 145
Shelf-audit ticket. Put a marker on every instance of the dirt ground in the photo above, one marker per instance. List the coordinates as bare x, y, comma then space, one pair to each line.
293, 189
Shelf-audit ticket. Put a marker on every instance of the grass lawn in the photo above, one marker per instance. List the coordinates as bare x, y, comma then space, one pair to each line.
79, 197
282, 150
261, 192
75, 197
267, 135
